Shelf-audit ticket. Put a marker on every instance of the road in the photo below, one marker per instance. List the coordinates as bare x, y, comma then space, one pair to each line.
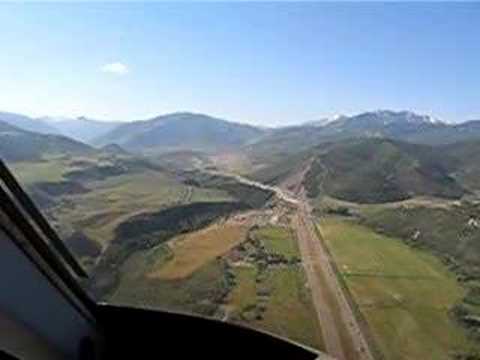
279, 193
313, 270
333, 309
341, 332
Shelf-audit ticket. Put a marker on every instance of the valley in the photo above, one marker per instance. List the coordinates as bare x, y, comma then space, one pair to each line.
358, 245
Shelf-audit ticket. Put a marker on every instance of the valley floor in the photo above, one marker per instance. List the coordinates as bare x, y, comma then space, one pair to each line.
325, 282
246, 269
404, 294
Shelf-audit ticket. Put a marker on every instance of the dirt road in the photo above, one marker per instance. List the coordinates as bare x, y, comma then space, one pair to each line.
341, 333
313, 270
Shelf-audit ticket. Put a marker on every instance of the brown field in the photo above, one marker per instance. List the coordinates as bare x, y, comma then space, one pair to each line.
192, 251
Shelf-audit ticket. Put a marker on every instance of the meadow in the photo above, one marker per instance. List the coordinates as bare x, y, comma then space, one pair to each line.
220, 271
107, 200
404, 294
274, 297
29, 172
279, 240
191, 251
113, 201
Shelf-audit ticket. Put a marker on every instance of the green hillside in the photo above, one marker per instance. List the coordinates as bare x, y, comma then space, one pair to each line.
449, 232
380, 170
21, 145
465, 162
181, 131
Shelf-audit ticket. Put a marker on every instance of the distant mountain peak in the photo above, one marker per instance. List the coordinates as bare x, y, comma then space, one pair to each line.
326, 120
383, 117
181, 131
404, 116
338, 117
27, 123
80, 128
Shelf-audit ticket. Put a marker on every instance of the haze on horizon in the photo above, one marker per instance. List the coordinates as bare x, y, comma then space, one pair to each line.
259, 63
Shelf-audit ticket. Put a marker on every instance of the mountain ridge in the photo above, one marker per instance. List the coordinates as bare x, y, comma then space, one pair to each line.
181, 131
81, 128
17, 144
27, 123
200, 132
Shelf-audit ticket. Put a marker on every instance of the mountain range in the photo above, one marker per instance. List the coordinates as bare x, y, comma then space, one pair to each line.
17, 144
202, 133
373, 157
27, 123
402, 125
181, 131
81, 128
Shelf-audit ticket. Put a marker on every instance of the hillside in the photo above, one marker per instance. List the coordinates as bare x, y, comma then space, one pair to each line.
385, 123
402, 125
27, 123
181, 131
380, 170
465, 162
456, 166
286, 141
370, 170
451, 134
21, 145
449, 232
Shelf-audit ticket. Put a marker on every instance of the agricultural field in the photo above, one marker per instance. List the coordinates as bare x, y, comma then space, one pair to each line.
86, 197
186, 274
154, 278
114, 210
151, 277
29, 172
228, 270
270, 290
404, 294
191, 251
277, 302
198, 294
279, 240
113, 201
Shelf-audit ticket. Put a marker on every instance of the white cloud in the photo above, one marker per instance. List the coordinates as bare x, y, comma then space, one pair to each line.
116, 68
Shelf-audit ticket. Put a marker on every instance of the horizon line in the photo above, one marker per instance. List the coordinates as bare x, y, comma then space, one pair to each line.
224, 118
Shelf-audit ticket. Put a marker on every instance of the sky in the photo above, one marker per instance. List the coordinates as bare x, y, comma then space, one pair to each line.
259, 63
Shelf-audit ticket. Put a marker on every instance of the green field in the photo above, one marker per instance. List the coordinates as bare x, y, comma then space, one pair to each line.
404, 294
110, 200
198, 294
53, 168
252, 292
278, 303
279, 240
274, 297
115, 200
28, 173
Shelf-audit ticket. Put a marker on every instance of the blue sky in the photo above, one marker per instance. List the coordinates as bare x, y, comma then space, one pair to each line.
261, 63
